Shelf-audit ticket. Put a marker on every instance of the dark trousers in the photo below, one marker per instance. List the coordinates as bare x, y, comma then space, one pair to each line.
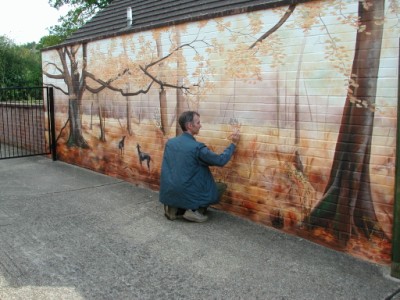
221, 187
174, 212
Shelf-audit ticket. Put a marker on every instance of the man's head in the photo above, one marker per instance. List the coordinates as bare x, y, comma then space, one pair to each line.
190, 122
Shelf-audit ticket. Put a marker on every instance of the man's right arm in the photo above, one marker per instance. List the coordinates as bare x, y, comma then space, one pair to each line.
213, 159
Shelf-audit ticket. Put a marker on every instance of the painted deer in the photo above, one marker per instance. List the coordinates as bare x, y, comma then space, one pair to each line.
143, 156
121, 145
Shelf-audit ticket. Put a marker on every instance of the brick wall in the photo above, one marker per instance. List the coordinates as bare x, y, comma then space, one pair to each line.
315, 160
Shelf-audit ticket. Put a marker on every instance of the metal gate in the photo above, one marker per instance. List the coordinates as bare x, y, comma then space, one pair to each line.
27, 122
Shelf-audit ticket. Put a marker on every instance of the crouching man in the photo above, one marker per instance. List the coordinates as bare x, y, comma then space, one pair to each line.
187, 186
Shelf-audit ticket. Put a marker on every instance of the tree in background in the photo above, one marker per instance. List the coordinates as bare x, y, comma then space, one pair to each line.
19, 65
51, 40
81, 11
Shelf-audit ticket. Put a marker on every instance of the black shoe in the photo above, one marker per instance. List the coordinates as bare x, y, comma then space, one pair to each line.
203, 210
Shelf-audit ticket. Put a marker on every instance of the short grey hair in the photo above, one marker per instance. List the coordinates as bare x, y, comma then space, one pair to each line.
187, 117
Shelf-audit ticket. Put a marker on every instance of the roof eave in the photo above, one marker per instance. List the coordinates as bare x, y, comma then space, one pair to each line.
132, 29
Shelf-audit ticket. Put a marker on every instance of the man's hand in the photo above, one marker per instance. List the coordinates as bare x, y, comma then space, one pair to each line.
235, 136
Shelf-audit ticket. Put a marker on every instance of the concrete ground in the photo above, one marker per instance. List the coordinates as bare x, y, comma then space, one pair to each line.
70, 233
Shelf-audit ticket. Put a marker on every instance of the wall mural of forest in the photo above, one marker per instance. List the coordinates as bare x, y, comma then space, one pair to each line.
312, 87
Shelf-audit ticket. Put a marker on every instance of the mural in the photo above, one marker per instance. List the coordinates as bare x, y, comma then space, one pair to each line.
312, 87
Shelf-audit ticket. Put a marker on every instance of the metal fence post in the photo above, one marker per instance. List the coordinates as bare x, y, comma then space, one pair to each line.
395, 268
52, 125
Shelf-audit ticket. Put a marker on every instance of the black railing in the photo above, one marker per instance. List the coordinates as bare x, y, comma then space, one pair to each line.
27, 122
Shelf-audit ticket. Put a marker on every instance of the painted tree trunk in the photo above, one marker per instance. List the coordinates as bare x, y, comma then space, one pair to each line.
128, 116
347, 202
102, 124
162, 94
76, 87
75, 134
180, 108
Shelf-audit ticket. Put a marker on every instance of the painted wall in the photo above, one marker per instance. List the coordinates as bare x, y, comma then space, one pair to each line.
313, 90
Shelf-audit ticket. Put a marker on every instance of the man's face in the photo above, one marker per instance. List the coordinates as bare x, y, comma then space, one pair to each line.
195, 126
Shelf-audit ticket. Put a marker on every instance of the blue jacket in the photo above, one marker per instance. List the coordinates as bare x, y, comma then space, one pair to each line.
186, 180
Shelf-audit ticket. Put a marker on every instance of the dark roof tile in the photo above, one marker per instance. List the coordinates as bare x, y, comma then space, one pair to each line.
148, 14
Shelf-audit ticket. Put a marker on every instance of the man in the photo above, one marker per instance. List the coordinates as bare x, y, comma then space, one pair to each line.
187, 184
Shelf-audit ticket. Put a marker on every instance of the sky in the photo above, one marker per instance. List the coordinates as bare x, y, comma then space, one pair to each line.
25, 21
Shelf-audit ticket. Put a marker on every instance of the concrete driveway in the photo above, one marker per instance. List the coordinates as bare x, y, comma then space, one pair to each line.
70, 233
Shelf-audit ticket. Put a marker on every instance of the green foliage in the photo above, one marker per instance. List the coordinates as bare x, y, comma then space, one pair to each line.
81, 12
98, 3
19, 65
51, 40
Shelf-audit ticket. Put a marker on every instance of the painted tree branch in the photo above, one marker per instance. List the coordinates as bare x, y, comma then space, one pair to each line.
161, 83
107, 84
82, 79
286, 16
67, 78
59, 76
62, 129
57, 88
57, 68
